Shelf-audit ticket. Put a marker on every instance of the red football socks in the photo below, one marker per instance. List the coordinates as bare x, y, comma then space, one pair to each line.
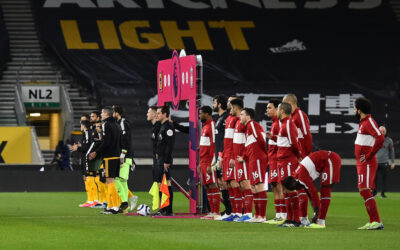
248, 201
370, 205
288, 207
263, 199
325, 201
238, 200
303, 203
232, 199
294, 202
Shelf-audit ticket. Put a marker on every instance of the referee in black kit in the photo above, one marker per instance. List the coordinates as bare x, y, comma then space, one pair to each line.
111, 150
165, 144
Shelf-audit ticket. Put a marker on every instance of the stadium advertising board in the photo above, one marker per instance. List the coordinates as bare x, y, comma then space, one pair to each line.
15, 145
326, 52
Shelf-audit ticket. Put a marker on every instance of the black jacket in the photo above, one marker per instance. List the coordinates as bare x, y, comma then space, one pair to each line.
111, 144
154, 134
220, 132
165, 143
86, 140
126, 137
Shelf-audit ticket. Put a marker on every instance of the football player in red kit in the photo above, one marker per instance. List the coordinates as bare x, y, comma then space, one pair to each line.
288, 156
279, 202
369, 140
255, 158
243, 195
207, 157
325, 165
302, 123
228, 161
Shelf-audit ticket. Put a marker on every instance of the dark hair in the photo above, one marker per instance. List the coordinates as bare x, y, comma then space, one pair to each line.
118, 109
85, 115
108, 110
164, 110
97, 113
250, 112
287, 108
275, 102
154, 108
364, 105
206, 109
86, 124
289, 183
223, 100
234, 96
237, 102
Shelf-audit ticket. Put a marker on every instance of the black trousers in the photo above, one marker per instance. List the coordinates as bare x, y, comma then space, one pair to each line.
381, 174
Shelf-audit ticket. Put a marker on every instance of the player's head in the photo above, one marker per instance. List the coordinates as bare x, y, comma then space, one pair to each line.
237, 106
85, 117
94, 116
106, 112
162, 113
232, 97
284, 110
272, 107
220, 102
98, 127
118, 112
292, 100
152, 113
291, 183
247, 115
383, 130
362, 106
205, 113
85, 125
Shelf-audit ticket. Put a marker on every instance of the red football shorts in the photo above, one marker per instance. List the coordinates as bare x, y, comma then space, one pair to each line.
228, 173
366, 173
242, 171
273, 175
206, 177
286, 167
258, 168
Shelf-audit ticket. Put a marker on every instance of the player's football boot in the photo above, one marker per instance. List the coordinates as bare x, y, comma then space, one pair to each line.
237, 218
315, 226
365, 226
133, 201
244, 218
272, 221
93, 204
124, 206
375, 226
87, 204
260, 220
224, 216
99, 205
230, 218
292, 224
305, 222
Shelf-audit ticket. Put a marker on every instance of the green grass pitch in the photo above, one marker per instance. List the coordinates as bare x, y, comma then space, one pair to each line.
54, 221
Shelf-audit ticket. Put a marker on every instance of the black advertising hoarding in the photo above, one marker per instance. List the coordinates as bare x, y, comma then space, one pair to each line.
327, 53
4, 43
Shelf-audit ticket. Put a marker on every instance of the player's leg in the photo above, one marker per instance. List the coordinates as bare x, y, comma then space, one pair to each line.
224, 186
366, 181
303, 207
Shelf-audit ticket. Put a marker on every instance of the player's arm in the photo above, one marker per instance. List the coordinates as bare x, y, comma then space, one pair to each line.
106, 139
379, 139
293, 139
180, 128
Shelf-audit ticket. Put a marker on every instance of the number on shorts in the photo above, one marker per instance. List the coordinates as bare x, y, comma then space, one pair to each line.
274, 174
360, 178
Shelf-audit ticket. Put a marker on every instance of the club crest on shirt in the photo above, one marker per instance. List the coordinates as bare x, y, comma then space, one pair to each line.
170, 132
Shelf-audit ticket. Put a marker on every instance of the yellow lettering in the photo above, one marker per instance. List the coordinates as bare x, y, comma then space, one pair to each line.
234, 31
197, 31
108, 34
72, 36
131, 39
